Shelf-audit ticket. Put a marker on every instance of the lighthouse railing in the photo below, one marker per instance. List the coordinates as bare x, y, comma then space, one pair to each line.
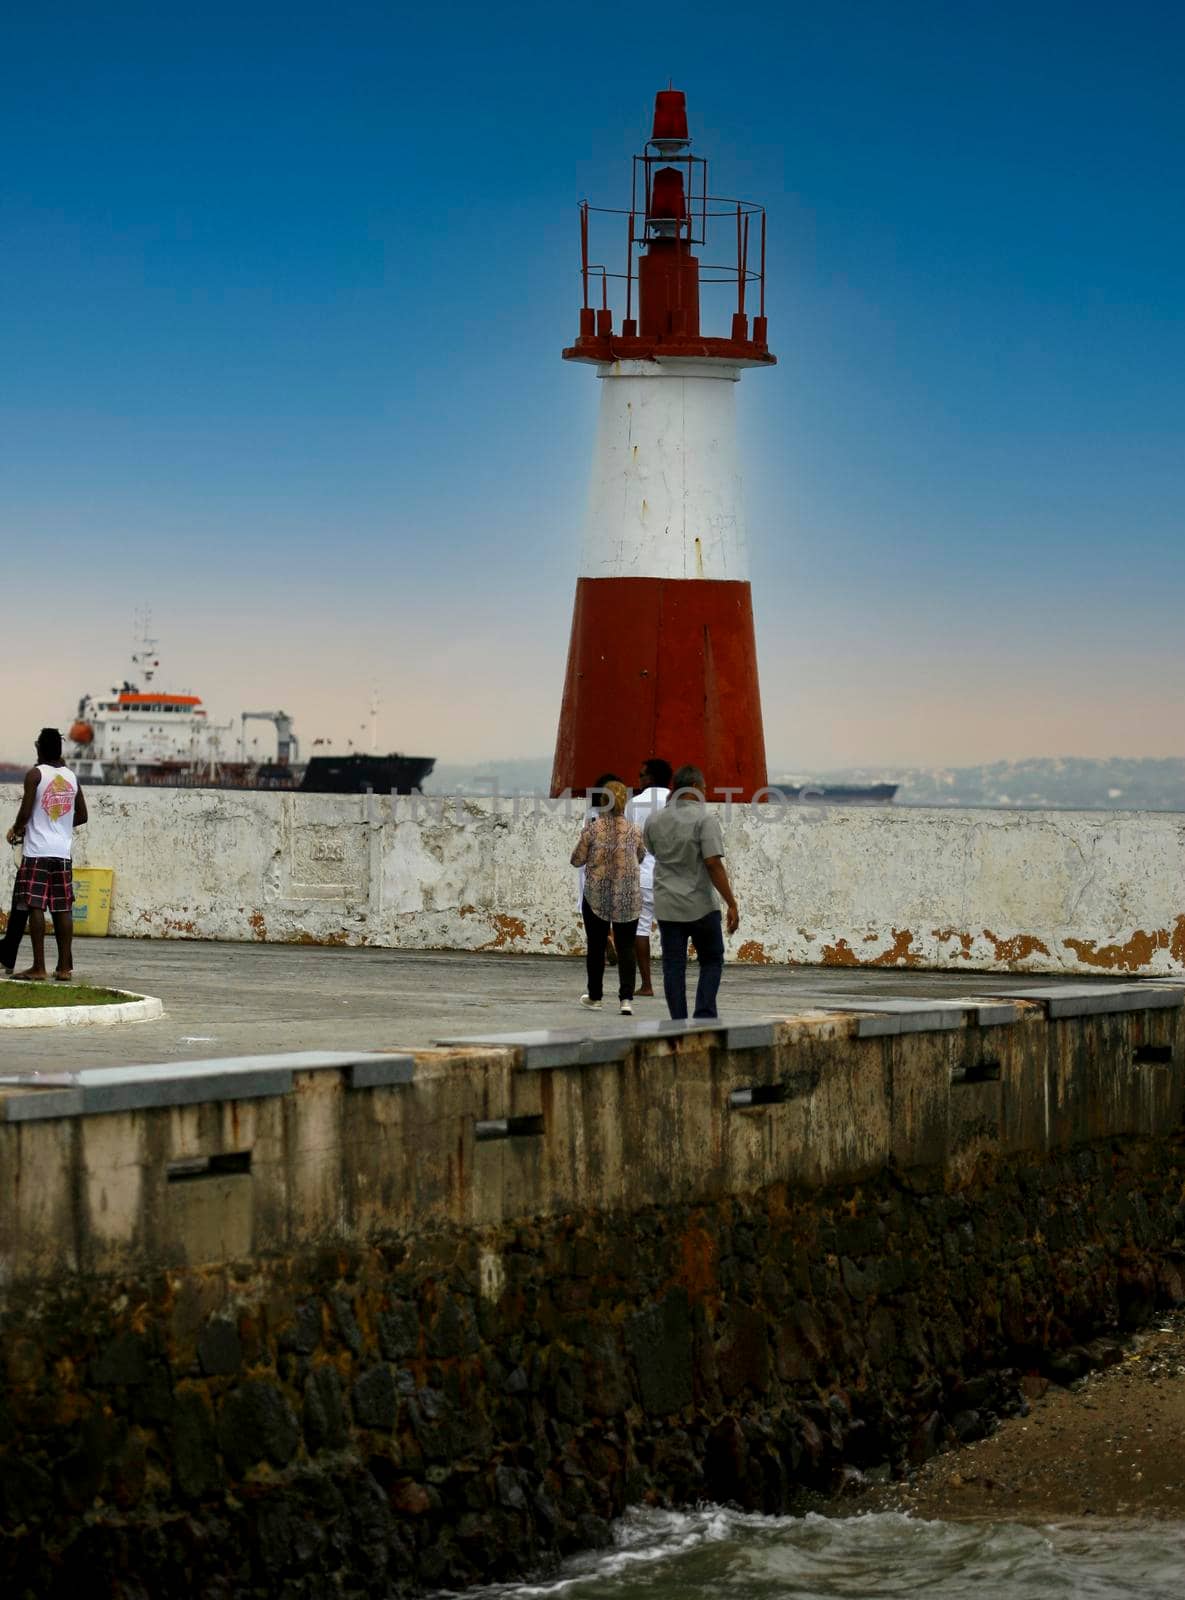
720, 209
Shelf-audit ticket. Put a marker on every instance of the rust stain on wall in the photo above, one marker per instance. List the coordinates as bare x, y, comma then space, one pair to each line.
900, 953
840, 954
1018, 948
507, 930
258, 925
1136, 954
966, 940
754, 951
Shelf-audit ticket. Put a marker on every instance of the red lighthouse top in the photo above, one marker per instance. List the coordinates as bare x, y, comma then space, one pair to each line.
670, 213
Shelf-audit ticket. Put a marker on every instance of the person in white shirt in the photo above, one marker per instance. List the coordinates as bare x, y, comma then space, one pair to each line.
52, 806
654, 789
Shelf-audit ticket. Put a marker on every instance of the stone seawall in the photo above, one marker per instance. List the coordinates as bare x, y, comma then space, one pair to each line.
372, 1422
298, 1326
841, 886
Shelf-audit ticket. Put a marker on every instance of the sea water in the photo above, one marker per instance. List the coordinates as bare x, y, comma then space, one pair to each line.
728, 1555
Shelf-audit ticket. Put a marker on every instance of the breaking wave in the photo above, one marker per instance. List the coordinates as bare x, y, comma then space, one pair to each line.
730, 1555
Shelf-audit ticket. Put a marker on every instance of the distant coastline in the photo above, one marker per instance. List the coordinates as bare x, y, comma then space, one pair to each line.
1060, 782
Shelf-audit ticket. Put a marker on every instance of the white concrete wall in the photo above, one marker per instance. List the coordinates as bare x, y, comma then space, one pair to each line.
976, 889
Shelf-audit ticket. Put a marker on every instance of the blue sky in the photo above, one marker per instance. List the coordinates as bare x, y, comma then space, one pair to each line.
284, 290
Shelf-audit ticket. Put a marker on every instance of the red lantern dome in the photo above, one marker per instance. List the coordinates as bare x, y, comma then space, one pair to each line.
670, 118
666, 195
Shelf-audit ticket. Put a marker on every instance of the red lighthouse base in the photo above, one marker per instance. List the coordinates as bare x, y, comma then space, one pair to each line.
661, 667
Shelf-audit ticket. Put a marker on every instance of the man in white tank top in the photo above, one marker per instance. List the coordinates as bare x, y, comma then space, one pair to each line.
52, 806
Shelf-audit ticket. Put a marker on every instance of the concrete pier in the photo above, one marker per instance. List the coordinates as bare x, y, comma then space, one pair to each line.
391, 1320
436, 1306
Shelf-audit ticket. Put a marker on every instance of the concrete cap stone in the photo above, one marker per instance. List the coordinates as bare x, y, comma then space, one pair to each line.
381, 1072
549, 1047
751, 1035
902, 1016
576, 1047
988, 1013
756, 1034
179, 1083
41, 1105
875, 1027
1103, 999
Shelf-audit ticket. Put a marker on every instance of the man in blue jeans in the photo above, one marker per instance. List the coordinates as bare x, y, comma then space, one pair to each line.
687, 845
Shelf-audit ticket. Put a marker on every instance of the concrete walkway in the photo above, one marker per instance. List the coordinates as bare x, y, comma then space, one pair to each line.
240, 999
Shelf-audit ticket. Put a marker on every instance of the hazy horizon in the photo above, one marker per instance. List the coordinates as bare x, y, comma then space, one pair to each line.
1061, 782
264, 739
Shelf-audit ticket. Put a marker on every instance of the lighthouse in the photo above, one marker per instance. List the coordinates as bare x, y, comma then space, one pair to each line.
662, 659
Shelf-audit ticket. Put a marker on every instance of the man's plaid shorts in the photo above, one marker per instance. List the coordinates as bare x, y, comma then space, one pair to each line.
44, 883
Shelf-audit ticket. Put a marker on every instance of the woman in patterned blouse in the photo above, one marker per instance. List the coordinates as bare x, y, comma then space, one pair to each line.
610, 849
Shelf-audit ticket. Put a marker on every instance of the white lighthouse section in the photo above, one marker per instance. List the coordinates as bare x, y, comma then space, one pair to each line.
665, 499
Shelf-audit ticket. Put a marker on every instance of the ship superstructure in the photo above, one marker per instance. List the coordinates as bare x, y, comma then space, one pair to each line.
140, 733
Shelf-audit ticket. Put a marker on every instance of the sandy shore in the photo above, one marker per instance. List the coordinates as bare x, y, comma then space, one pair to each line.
1110, 1445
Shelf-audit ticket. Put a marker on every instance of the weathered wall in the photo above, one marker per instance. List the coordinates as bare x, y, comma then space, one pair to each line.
368, 1350
847, 886
336, 1155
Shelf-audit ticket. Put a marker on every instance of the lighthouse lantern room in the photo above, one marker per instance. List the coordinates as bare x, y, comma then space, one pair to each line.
662, 659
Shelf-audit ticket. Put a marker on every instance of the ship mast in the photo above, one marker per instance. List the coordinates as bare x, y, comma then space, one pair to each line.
144, 647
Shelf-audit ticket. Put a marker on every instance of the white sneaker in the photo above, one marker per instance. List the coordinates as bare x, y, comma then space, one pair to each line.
627, 1009
589, 1005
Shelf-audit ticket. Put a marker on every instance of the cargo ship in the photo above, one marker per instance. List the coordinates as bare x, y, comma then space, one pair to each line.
142, 735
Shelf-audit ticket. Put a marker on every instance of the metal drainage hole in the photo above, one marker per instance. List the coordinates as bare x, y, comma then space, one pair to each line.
759, 1094
1153, 1055
190, 1167
977, 1072
508, 1128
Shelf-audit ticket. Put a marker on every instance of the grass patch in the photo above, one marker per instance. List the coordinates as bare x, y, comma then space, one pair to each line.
17, 996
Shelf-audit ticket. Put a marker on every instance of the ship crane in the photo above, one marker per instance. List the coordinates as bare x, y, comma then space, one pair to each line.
287, 744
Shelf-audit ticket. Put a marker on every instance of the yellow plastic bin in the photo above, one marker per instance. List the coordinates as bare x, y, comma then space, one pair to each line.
92, 899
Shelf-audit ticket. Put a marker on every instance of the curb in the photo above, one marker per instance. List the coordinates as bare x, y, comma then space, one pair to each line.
137, 1008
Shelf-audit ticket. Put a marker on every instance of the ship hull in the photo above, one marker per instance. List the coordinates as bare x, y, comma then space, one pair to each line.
357, 773
322, 775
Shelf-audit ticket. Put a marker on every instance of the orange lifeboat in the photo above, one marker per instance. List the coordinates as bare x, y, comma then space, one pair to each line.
82, 733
